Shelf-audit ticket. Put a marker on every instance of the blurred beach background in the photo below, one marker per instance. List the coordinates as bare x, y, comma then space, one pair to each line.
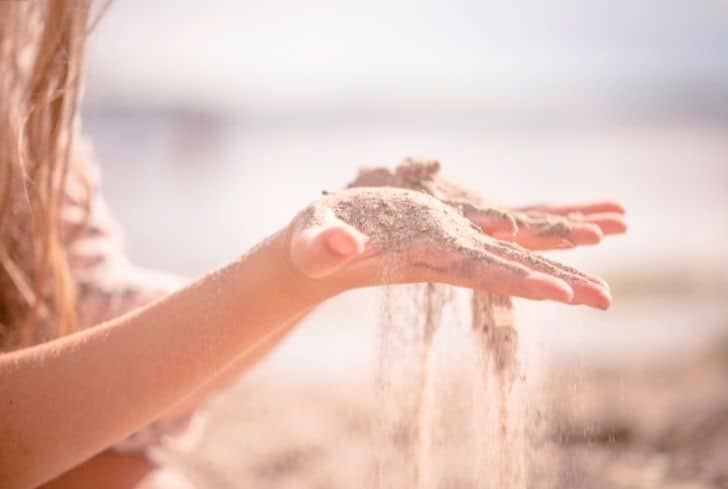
215, 122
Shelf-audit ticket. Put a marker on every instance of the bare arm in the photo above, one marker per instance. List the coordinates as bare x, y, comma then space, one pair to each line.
70, 398
239, 366
92, 388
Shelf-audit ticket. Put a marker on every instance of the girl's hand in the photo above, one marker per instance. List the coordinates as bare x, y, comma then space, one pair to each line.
372, 235
535, 227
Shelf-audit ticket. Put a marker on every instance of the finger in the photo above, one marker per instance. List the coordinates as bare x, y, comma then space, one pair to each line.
541, 263
584, 233
608, 222
322, 249
479, 270
537, 286
585, 208
493, 221
589, 294
588, 289
556, 234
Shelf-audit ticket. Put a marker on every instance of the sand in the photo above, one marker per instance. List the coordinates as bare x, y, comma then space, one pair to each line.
404, 421
400, 209
663, 426
495, 333
425, 175
413, 223
408, 442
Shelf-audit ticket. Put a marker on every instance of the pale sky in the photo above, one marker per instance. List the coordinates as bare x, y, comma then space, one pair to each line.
259, 53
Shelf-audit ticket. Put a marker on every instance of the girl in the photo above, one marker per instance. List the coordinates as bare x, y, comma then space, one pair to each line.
99, 359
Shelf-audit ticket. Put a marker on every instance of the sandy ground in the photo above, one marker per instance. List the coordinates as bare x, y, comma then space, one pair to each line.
660, 426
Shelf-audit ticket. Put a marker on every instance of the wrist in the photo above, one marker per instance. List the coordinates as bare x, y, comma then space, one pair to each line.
270, 266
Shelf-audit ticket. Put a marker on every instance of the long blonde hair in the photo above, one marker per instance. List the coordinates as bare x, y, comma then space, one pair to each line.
41, 56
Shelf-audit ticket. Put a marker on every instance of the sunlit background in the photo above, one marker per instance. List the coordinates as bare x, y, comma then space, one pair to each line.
215, 122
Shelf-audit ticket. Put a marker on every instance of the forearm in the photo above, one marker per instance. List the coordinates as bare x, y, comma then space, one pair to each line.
240, 365
70, 398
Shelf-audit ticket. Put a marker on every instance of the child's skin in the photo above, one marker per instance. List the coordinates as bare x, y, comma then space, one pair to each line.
66, 400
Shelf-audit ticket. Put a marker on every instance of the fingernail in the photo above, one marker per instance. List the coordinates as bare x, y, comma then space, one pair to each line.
342, 244
606, 300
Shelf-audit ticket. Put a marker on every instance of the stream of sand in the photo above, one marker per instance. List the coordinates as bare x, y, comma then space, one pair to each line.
410, 402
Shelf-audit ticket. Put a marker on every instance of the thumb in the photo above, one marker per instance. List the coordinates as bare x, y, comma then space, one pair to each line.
322, 249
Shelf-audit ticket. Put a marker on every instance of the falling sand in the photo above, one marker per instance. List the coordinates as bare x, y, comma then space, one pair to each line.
496, 337
407, 402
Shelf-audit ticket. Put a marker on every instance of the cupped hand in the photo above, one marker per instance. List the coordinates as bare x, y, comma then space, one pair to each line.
373, 235
539, 227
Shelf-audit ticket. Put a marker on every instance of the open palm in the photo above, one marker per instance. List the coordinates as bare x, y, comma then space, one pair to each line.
366, 235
